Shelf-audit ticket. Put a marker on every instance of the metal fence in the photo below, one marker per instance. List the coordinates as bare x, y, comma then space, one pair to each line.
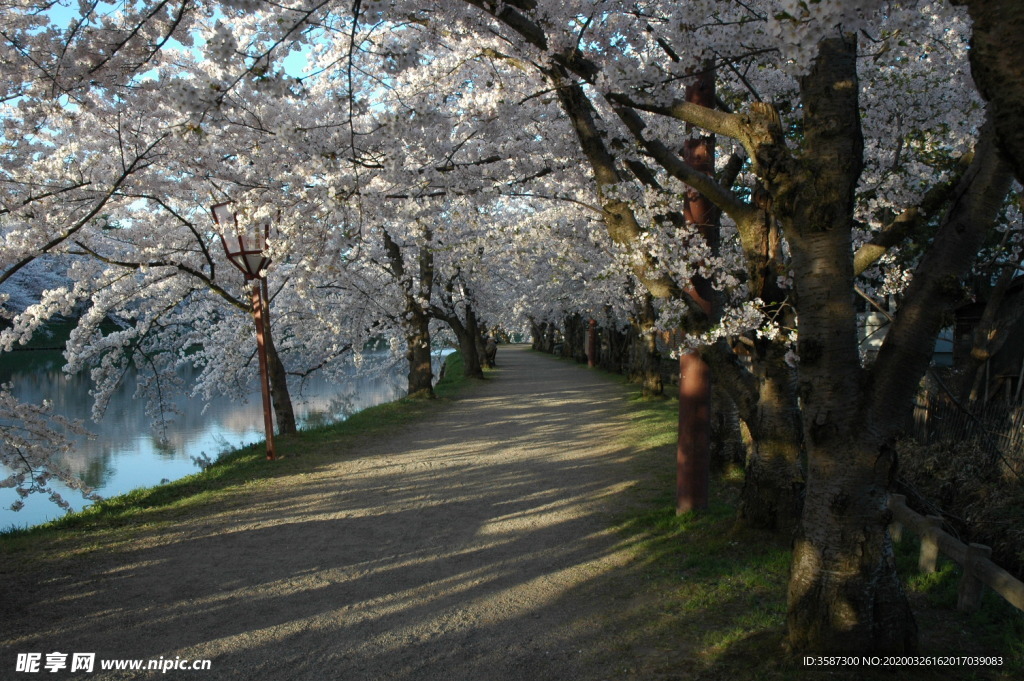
996, 429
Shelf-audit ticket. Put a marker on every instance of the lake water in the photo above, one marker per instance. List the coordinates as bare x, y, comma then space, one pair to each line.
129, 452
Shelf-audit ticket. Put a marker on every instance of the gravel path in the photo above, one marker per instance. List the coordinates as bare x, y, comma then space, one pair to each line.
473, 546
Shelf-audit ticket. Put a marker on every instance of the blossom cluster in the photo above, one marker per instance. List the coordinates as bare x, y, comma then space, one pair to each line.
424, 159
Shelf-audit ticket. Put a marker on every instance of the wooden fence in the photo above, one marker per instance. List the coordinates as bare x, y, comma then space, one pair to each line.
978, 570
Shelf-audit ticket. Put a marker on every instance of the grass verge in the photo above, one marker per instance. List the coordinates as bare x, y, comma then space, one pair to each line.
715, 603
230, 479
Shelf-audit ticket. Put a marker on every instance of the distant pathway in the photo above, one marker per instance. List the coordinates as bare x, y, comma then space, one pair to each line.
474, 546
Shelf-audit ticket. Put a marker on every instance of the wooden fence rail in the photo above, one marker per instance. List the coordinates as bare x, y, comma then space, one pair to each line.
979, 571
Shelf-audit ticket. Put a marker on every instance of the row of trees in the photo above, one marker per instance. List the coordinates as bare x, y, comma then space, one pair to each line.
741, 170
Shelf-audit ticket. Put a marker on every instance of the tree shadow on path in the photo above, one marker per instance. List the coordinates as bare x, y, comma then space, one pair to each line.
473, 546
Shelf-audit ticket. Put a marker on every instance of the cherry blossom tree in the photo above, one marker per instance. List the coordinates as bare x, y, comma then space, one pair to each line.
811, 193
838, 128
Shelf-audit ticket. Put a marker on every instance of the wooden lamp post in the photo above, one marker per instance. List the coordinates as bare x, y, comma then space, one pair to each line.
245, 248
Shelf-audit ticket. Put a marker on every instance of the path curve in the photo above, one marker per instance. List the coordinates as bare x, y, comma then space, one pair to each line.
473, 546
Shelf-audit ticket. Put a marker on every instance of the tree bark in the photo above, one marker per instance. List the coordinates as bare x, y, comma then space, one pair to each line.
417, 292
536, 335
997, 65
844, 594
647, 357
279, 395
575, 346
467, 334
773, 481
421, 372
467, 331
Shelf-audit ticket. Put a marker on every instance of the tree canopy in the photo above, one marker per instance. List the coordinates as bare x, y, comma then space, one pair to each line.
458, 164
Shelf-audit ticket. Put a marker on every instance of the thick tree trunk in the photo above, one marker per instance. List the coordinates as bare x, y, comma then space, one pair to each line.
646, 357
536, 335
417, 291
478, 336
421, 373
550, 333
467, 334
574, 345
997, 65
469, 345
613, 348
844, 593
279, 395
774, 481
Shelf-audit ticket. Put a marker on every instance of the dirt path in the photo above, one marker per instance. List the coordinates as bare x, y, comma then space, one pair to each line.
474, 546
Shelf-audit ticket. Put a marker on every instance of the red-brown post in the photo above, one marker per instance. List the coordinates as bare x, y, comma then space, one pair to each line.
261, 351
693, 461
693, 453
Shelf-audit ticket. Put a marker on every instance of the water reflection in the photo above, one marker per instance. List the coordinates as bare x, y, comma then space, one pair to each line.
129, 451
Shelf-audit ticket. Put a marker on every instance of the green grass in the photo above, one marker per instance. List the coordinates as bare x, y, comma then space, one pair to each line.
996, 628
237, 473
718, 582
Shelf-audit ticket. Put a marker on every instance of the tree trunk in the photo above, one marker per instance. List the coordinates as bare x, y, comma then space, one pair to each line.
990, 335
844, 593
997, 65
479, 342
646, 357
279, 395
421, 373
468, 335
573, 338
619, 345
774, 481
417, 291
536, 335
